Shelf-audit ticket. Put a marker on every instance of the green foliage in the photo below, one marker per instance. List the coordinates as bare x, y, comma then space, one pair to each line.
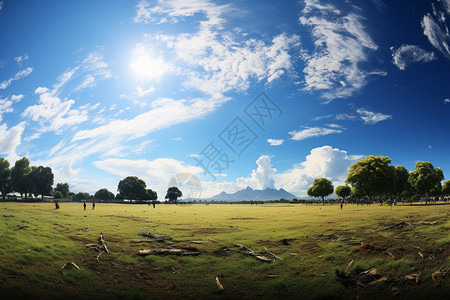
173, 193
151, 195
426, 179
343, 191
104, 194
446, 188
321, 187
63, 188
58, 195
372, 176
19, 176
402, 186
132, 188
41, 180
5, 178
80, 196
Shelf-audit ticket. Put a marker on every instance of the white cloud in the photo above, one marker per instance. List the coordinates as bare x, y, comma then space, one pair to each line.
148, 65
10, 139
21, 58
6, 104
19, 75
342, 46
275, 142
323, 161
215, 60
407, 54
447, 100
1, 5
436, 28
52, 113
370, 117
313, 132
262, 177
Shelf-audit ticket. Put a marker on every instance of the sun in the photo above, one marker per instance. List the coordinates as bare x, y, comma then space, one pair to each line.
148, 65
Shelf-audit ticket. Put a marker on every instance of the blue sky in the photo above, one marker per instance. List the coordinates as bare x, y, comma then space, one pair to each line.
99, 90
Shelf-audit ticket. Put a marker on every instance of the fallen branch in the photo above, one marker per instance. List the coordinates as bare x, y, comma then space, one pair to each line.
85, 229
219, 285
197, 242
155, 236
250, 252
141, 241
166, 252
102, 243
214, 241
70, 265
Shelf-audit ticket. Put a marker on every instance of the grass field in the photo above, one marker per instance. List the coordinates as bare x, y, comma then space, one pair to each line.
315, 243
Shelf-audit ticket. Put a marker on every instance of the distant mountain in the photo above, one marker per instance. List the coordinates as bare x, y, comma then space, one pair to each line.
249, 194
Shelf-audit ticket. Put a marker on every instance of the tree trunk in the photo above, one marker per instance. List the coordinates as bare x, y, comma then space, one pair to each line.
323, 200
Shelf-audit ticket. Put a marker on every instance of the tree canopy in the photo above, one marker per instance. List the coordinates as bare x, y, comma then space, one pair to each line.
151, 195
132, 187
41, 180
425, 179
321, 187
5, 178
19, 176
173, 193
104, 194
343, 191
372, 176
446, 188
63, 188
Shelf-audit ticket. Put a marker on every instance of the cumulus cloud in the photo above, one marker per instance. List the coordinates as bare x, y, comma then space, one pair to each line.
275, 142
436, 27
313, 132
17, 76
447, 100
10, 139
262, 177
370, 117
342, 46
407, 54
325, 161
6, 104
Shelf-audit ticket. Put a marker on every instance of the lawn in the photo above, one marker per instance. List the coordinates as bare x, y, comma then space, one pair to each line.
315, 251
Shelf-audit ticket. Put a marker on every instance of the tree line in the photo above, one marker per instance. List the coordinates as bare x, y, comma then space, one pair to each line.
30, 180
375, 177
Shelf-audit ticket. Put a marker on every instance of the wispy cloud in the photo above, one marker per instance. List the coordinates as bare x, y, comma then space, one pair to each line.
21, 58
1, 5
370, 117
19, 75
275, 142
6, 104
313, 132
342, 46
407, 54
436, 27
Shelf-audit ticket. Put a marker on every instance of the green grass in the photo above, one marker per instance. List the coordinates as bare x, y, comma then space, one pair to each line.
36, 241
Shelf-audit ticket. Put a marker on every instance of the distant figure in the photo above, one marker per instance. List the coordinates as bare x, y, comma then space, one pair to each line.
57, 205
84, 205
154, 204
93, 204
342, 204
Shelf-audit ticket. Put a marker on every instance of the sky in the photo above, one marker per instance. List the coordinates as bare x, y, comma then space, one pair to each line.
235, 93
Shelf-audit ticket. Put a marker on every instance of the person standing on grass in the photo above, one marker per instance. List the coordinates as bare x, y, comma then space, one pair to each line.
84, 205
93, 204
342, 204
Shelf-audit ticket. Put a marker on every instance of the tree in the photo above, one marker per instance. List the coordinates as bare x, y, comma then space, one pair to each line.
63, 188
446, 188
321, 187
104, 194
426, 179
80, 196
173, 193
372, 176
19, 176
41, 180
132, 187
5, 178
343, 191
151, 195
402, 186
57, 195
